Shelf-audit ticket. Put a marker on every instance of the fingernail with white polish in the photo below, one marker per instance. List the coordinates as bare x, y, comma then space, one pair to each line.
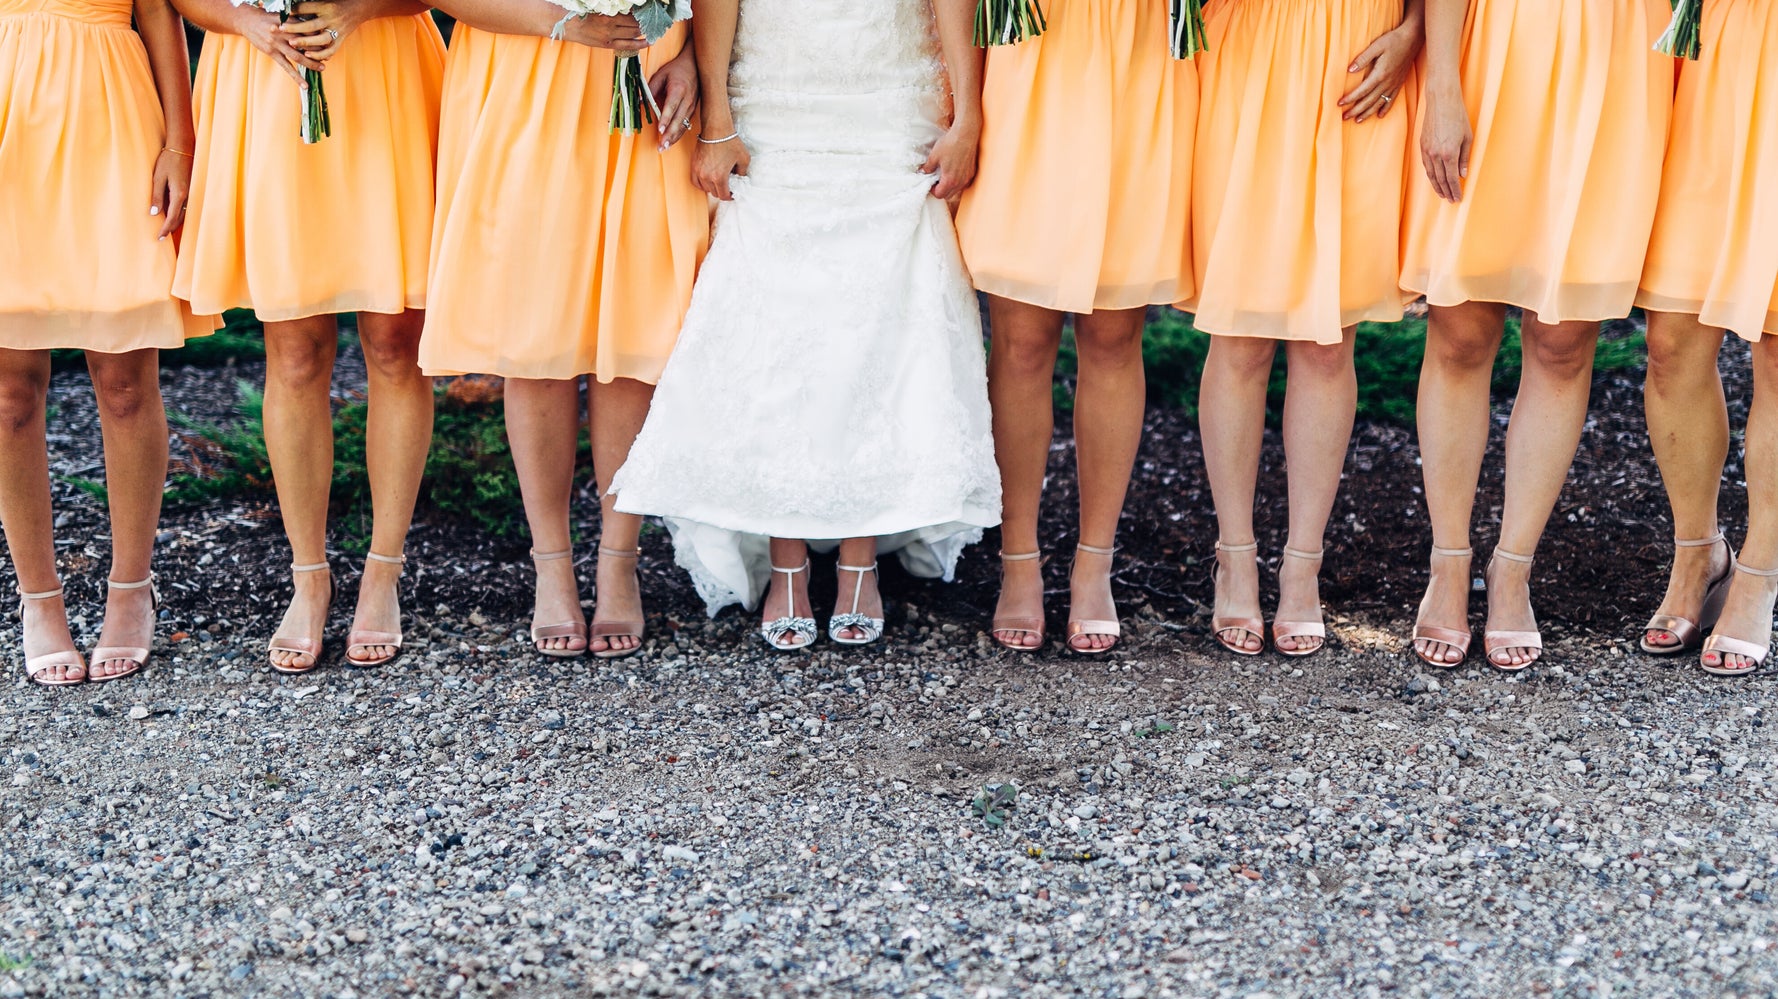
154, 209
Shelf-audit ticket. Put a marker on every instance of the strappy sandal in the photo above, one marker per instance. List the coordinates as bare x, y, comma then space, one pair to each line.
1689, 634
1020, 625
1496, 641
1722, 646
871, 626
1220, 626
360, 639
617, 629
67, 660
1093, 629
1300, 629
137, 658
310, 647
802, 628
1449, 637
565, 629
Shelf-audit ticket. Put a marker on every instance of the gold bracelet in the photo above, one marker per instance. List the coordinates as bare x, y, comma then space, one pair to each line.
177, 152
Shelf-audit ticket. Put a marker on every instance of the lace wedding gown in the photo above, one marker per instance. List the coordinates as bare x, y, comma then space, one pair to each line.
829, 381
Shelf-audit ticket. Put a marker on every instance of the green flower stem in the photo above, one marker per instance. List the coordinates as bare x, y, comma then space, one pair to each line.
1684, 37
1007, 22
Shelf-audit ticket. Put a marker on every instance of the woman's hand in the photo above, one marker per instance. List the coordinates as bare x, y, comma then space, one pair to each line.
953, 158
172, 183
715, 162
1445, 143
261, 30
316, 28
675, 88
600, 31
1385, 65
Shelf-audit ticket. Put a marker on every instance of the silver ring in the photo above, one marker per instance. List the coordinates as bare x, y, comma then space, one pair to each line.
1389, 99
335, 34
685, 124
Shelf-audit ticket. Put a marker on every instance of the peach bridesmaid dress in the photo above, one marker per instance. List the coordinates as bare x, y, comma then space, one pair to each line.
1570, 105
559, 249
293, 230
1082, 199
1715, 249
81, 262
1297, 213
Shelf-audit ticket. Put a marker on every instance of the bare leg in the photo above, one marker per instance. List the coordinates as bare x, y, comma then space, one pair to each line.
25, 504
1748, 613
398, 435
1109, 397
788, 593
1021, 373
1320, 405
1688, 427
299, 439
1232, 420
1548, 416
134, 422
618, 411
543, 424
1455, 380
858, 552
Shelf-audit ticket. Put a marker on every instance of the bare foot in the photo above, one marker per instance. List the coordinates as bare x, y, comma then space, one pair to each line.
305, 621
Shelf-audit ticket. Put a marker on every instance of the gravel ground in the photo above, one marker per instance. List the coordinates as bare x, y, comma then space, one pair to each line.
714, 819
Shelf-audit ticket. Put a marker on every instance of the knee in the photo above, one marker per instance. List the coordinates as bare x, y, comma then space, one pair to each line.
1765, 361
22, 400
1109, 342
1322, 363
392, 352
302, 365
1025, 355
1240, 358
124, 393
1463, 349
1562, 355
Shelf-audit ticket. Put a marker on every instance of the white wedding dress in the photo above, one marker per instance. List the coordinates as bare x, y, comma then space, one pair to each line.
829, 382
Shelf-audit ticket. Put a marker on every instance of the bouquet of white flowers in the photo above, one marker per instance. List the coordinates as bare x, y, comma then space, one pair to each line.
1684, 37
316, 125
631, 100
1009, 22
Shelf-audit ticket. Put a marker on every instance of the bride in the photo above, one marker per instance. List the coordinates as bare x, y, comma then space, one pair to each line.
829, 383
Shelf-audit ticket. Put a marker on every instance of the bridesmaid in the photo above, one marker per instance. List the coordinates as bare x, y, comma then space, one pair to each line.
298, 233
95, 146
562, 250
1081, 207
1713, 266
1301, 158
1542, 138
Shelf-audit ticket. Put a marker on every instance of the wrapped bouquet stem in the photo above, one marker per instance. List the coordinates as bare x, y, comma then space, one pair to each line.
1185, 32
1009, 22
313, 121
632, 102
1684, 37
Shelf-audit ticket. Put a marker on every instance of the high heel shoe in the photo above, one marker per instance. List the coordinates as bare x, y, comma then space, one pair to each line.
565, 629
802, 628
871, 626
1093, 629
1019, 625
1689, 634
1496, 641
1300, 629
67, 660
367, 639
618, 629
137, 658
1450, 637
1221, 626
310, 647
1722, 646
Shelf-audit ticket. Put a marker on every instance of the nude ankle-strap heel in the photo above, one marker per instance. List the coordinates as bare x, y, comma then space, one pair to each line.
307, 647
1300, 629
1722, 646
68, 660
1688, 634
1496, 641
1093, 629
1223, 626
565, 629
618, 629
1449, 637
136, 657
1020, 625
367, 639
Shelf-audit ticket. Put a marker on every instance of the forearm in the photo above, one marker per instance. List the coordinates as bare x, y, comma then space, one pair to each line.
963, 60
507, 17
1413, 16
713, 36
163, 35
1444, 46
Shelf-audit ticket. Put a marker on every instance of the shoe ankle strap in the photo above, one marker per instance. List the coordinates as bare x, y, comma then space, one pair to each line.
1026, 557
45, 595
1514, 556
615, 553
791, 572
114, 584
385, 559
858, 568
317, 567
537, 556
1749, 570
1251, 546
1314, 556
1438, 552
1093, 550
1710, 542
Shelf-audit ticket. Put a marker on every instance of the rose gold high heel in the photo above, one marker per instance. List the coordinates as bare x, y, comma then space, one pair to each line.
1093, 629
565, 629
67, 660
368, 639
1021, 625
1300, 629
1688, 635
1450, 637
310, 647
617, 629
1221, 626
1722, 646
137, 658
1496, 641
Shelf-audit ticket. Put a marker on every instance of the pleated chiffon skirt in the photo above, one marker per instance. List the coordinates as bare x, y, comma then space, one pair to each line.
1296, 212
343, 225
1715, 248
1083, 196
560, 249
1570, 105
81, 262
